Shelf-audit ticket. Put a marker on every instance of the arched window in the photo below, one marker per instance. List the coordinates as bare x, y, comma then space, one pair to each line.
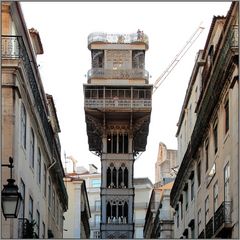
126, 177
120, 178
108, 210
114, 178
125, 214
125, 143
108, 177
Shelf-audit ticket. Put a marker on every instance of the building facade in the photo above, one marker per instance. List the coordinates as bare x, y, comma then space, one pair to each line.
76, 224
117, 103
204, 195
159, 215
143, 189
166, 165
29, 133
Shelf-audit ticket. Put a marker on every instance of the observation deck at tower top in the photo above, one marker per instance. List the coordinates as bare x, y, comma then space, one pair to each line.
118, 38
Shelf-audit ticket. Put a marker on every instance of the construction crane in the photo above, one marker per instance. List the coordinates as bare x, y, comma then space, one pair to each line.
177, 58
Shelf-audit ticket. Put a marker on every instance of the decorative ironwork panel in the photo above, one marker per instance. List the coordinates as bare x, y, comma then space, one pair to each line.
209, 228
222, 215
118, 38
13, 48
118, 73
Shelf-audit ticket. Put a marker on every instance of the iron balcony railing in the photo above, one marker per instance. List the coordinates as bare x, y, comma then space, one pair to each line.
209, 228
102, 73
201, 235
138, 37
222, 215
13, 47
117, 103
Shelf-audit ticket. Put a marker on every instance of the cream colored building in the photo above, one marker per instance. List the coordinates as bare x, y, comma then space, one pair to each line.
205, 193
166, 165
143, 188
159, 215
29, 132
76, 224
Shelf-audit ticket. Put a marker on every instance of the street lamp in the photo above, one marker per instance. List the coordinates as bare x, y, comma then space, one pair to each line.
11, 198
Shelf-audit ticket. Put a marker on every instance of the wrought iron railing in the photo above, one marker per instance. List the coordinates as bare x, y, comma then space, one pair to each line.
120, 103
222, 215
13, 47
201, 235
209, 228
118, 38
206, 103
26, 229
118, 74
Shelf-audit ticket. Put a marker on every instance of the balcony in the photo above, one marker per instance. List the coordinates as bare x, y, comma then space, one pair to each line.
13, 47
201, 235
209, 228
118, 99
222, 218
101, 37
101, 73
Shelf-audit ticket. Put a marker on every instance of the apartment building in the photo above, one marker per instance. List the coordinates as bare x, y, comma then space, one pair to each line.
143, 189
29, 133
159, 215
117, 104
76, 224
205, 194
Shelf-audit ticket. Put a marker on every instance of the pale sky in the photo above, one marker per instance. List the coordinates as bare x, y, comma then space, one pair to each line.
64, 28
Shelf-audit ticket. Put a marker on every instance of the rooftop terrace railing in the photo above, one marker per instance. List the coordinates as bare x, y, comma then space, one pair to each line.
118, 38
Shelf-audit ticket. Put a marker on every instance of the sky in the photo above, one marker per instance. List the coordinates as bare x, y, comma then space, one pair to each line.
64, 28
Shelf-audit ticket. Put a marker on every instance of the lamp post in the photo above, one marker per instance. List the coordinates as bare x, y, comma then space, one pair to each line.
11, 198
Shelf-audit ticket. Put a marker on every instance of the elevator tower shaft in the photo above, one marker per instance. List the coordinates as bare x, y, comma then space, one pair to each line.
118, 104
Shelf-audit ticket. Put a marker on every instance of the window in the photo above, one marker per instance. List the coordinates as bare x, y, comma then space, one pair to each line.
30, 209
215, 196
43, 230
97, 219
117, 178
181, 205
206, 209
96, 234
97, 205
96, 183
192, 189
177, 213
215, 136
53, 202
117, 211
49, 192
186, 195
199, 220
226, 182
117, 143
206, 154
39, 167
23, 126
22, 206
226, 108
44, 180
199, 173
38, 223
31, 150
